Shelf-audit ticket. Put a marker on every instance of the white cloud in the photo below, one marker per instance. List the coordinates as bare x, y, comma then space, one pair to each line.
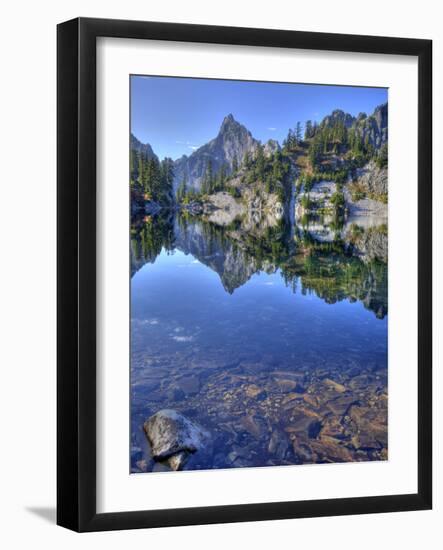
188, 143
272, 128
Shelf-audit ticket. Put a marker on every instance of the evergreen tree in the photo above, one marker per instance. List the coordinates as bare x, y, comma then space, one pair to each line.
290, 140
167, 179
314, 151
338, 200
182, 190
308, 129
260, 164
153, 179
145, 175
277, 168
208, 179
204, 186
221, 179
298, 133
140, 168
235, 164
382, 158
134, 165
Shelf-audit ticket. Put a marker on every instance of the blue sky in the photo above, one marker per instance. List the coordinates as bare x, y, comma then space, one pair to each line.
178, 115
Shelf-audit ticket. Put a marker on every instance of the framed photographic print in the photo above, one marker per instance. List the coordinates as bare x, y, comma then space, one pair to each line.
244, 274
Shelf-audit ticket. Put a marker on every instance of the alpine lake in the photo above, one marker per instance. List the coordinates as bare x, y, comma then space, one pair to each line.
269, 334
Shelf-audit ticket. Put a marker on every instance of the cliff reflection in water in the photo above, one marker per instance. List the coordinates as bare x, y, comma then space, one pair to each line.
270, 335
350, 263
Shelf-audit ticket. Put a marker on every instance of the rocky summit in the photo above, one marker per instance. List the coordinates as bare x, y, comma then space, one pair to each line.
227, 149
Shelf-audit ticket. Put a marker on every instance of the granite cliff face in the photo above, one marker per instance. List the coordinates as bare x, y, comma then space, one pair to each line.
374, 128
228, 148
373, 178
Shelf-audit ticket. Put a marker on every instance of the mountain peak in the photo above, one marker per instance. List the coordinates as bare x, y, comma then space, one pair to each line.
228, 122
226, 150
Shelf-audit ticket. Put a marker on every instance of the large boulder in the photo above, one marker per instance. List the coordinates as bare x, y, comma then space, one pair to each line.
173, 437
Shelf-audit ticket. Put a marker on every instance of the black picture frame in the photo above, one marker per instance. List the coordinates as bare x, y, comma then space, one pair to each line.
76, 280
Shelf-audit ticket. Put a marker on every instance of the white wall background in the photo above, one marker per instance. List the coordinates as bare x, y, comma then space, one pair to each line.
27, 276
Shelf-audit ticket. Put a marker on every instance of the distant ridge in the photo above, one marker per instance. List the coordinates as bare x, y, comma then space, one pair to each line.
234, 140
144, 148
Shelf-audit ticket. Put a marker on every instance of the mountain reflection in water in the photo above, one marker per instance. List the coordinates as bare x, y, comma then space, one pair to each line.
272, 336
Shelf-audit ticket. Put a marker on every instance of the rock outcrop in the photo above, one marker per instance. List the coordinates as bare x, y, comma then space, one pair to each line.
338, 116
372, 244
373, 179
173, 437
374, 128
271, 147
225, 209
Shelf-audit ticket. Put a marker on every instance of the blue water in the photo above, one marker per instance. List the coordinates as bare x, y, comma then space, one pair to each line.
190, 308
198, 344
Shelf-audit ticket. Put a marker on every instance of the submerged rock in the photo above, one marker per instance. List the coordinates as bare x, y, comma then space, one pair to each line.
173, 437
286, 385
250, 424
177, 461
253, 392
334, 385
278, 444
189, 385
